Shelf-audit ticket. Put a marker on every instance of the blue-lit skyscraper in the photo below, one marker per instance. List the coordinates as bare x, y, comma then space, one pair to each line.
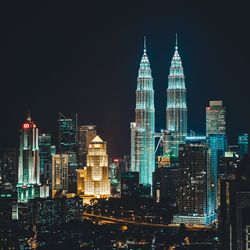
176, 111
217, 144
243, 144
142, 136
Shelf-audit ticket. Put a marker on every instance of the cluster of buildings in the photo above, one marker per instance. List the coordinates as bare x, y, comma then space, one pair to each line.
192, 172
203, 176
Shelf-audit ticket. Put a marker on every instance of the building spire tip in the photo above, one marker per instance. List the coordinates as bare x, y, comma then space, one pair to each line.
145, 47
176, 41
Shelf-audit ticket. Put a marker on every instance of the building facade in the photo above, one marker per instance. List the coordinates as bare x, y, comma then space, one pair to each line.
28, 186
176, 110
85, 135
97, 178
243, 145
143, 130
60, 164
215, 118
44, 143
194, 183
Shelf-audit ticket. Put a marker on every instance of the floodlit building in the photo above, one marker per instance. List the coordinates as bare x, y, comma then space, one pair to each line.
59, 174
81, 175
97, 179
215, 118
143, 130
176, 110
194, 183
28, 186
243, 144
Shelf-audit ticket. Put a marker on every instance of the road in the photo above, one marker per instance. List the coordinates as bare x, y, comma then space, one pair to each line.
124, 221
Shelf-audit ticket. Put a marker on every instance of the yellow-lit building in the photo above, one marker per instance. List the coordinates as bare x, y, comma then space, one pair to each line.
97, 180
59, 174
81, 175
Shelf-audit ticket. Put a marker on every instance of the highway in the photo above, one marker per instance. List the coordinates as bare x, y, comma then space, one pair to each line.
125, 221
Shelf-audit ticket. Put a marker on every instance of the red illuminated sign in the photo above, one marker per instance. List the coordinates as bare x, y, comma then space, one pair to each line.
26, 125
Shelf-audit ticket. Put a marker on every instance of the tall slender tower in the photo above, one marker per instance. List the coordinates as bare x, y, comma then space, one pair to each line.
144, 127
176, 111
29, 162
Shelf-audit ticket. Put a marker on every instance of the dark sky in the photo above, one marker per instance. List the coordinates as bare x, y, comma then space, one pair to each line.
84, 58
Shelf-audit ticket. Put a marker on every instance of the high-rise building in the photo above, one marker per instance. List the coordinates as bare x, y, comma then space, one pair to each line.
8, 220
215, 118
176, 110
59, 174
9, 168
68, 145
44, 142
194, 183
165, 180
143, 131
97, 180
130, 184
81, 175
243, 144
217, 145
85, 135
29, 162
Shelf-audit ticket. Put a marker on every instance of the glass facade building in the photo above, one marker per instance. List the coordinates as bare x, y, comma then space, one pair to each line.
176, 110
59, 174
193, 193
143, 130
243, 144
215, 118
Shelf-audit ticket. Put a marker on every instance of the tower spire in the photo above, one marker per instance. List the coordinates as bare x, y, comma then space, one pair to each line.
145, 45
176, 41
28, 118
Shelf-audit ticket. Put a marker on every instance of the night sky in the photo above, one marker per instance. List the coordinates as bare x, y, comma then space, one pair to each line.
84, 58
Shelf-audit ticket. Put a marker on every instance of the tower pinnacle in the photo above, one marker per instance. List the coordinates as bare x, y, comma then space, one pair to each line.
176, 41
145, 47
28, 118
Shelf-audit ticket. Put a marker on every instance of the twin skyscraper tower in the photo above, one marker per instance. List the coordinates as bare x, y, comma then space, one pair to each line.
143, 129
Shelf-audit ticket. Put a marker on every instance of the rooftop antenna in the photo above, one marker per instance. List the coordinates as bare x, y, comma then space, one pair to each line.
145, 48
176, 41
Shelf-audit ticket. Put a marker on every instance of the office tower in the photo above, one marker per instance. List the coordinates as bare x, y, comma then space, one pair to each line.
29, 163
8, 220
215, 118
217, 145
68, 145
81, 175
60, 164
176, 110
133, 167
143, 131
97, 180
165, 180
9, 168
194, 183
85, 135
243, 144
130, 184
44, 142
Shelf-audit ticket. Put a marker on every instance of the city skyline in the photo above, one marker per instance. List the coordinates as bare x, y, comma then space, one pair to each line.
209, 72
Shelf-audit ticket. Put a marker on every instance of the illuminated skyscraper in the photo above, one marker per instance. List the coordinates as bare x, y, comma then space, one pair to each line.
215, 118
59, 174
84, 136
176, 111
97, 179
143, 131
44, 142
29, 162
194, 183
243, 144
68, 145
